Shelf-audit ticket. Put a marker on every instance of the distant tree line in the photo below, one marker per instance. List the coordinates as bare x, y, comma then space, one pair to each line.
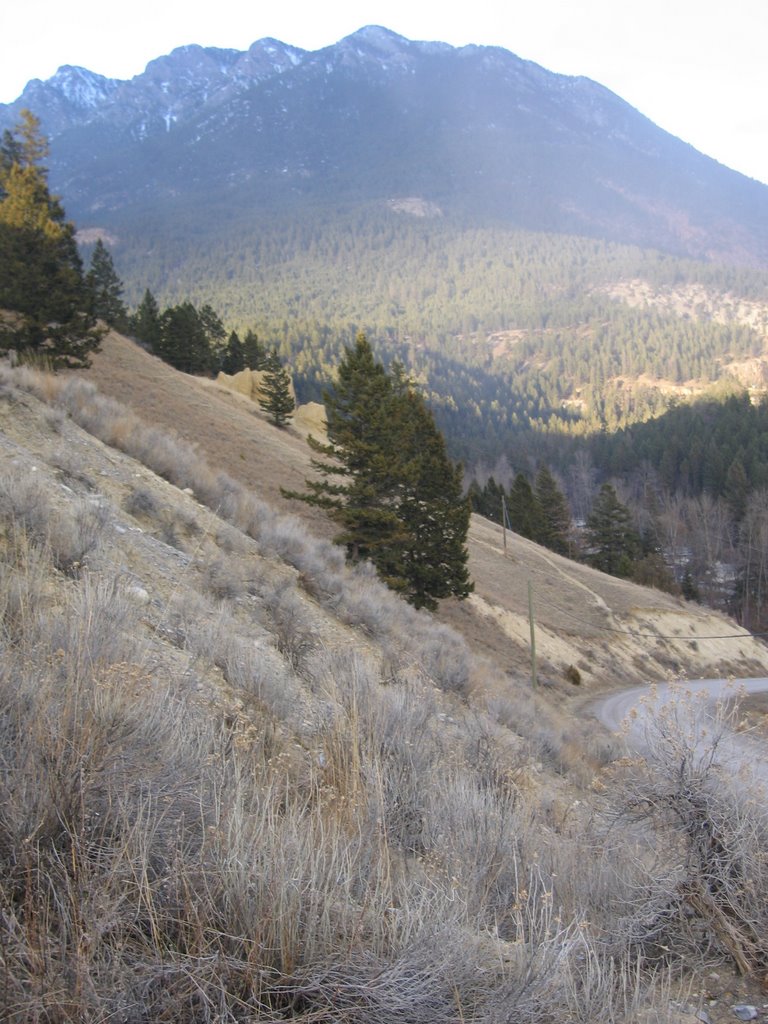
539, 512
609, 539
716, 444
195, 341
698, 476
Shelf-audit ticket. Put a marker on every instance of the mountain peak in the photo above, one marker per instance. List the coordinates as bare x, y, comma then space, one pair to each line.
384, 44
81, 87
374, 47
377, 36
193, 56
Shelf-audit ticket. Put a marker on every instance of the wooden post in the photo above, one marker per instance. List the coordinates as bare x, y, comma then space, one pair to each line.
504, 522
534, 681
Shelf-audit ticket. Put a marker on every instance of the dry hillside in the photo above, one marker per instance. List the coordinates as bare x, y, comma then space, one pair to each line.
242, 782
614, 632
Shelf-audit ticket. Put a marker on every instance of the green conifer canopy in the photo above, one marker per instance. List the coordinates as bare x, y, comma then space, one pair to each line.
276, 399
106, 288
386, 479
614, 544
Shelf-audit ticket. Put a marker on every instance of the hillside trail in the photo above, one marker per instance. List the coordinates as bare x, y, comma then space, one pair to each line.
571, 579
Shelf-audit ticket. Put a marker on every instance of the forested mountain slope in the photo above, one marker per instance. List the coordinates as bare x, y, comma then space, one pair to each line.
506, 231
513, 335
207, 134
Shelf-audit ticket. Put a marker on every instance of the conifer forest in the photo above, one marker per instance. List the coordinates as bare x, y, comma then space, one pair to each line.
545, 373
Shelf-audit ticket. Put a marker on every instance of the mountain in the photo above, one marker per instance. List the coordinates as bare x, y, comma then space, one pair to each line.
474, 132
520, 240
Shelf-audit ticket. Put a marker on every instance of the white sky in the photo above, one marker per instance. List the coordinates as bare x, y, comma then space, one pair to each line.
698, 68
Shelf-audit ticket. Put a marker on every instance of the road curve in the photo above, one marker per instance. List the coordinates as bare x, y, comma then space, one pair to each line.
636, 711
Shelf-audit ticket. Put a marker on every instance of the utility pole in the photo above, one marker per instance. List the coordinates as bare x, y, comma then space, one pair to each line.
533, 635
504, 522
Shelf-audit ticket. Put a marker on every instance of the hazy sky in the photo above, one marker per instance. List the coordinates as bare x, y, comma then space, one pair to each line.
696, 67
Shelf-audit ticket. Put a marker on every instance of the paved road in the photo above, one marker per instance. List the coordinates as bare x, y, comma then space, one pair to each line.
692, 707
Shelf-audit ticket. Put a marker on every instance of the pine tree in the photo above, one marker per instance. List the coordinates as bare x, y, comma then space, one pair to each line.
254, 353
183, 340
524, 513
555, 517
431, 507
233, 360
488, 500
613, 542
145, 322
41, 275
10, 153
214, 331
356, 466
106, 288
386, 479
276, 399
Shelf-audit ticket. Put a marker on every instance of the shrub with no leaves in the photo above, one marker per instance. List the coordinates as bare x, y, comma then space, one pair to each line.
24, 505
142, 503
222, 577
704, 877
291, 622
71, 537
76, 538
446, 659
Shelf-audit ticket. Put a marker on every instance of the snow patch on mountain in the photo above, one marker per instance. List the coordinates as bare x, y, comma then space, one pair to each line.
81, 87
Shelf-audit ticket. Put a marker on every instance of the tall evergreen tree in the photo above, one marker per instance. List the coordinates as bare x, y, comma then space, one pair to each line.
105, 288
385, 478
254, 353
187, 338
431, 507
554, 515
10, 153
613, 542
183, 340
233, 360
489, 500
524, 513
357, 467
145, 322
276, 399
215, 334
41, 275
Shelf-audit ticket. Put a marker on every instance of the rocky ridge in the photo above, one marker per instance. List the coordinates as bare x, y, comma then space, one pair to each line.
476, 131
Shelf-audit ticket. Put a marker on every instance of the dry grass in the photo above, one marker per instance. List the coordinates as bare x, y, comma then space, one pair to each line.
272, 791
